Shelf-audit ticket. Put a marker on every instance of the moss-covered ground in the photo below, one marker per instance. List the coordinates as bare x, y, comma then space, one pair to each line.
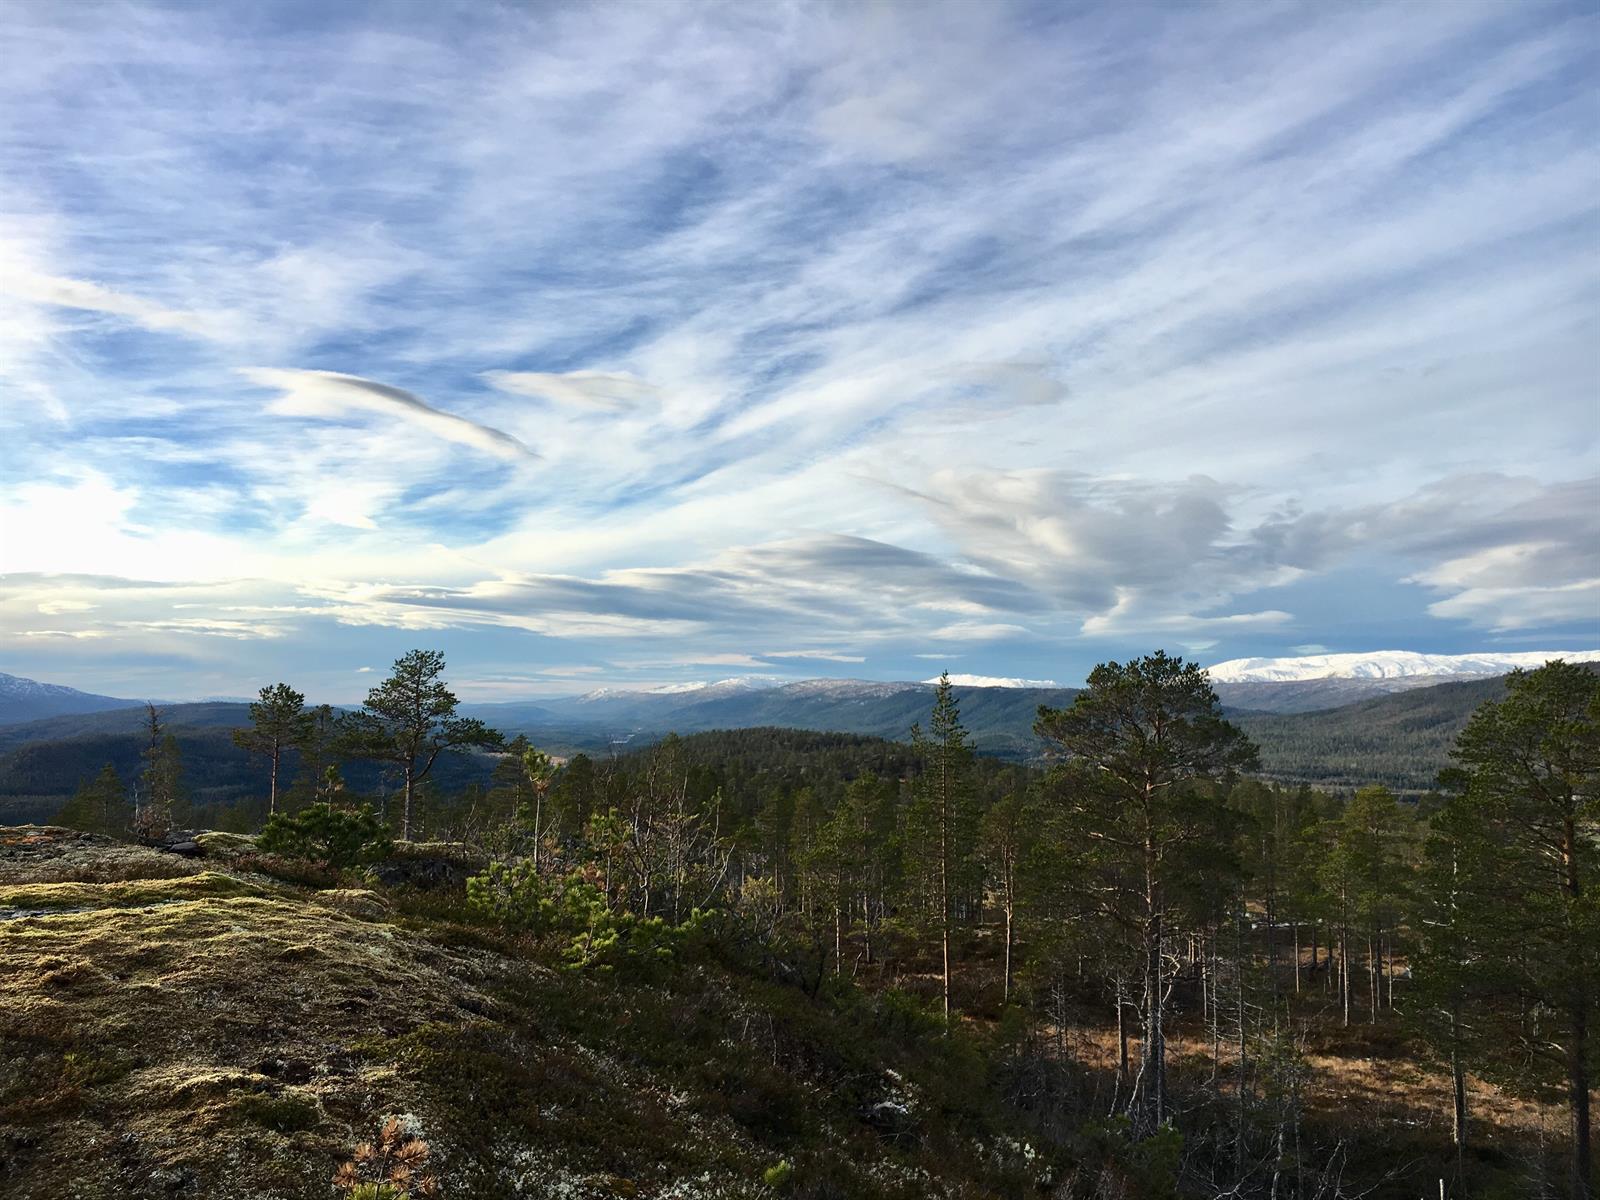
175, 1028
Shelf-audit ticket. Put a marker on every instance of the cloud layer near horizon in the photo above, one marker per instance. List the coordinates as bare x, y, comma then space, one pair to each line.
604, 343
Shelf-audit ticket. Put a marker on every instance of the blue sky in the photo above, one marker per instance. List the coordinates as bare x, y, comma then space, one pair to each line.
634, 343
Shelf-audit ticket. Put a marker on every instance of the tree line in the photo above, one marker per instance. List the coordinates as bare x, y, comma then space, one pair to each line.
1144, 879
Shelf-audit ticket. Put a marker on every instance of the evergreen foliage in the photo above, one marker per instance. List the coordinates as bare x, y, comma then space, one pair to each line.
323, 834
1512, 884
278, 722
409, 720
101, 806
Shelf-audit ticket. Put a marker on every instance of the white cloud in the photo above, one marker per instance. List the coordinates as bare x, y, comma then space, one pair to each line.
819, 655
608, 391
978, 631
1059, 359
331, 395
83, 294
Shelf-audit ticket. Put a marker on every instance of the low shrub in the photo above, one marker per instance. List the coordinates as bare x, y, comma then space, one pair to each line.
512, 895
327, 835
592, 935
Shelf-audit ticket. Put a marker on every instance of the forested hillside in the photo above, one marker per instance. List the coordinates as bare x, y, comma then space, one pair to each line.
27, 700
1402, 741
874, 968
43, 762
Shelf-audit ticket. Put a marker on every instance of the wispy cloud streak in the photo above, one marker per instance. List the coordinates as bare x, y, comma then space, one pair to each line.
867, 332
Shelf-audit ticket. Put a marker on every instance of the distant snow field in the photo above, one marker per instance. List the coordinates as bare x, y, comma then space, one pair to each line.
1386, 664
1000, 681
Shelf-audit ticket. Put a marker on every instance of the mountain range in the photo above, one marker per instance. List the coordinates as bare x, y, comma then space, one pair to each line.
28, 700
1299, 684
1373, 722
1312, 682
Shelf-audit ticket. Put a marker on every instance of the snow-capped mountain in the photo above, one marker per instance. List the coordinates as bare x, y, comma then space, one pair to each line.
632, 705
1387, 665
1318, 681
698, 690
855, 689
997, 681
29, 700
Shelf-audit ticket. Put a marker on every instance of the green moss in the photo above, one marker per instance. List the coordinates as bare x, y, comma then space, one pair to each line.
128, 894
287, 1112
223, 844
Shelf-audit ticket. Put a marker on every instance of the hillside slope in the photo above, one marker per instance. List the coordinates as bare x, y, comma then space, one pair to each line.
1402, 740
125, 1076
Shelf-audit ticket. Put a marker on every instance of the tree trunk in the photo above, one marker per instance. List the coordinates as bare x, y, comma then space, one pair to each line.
1578, 1068
1005, 994
1388, 969
272, 787
866, 925
1216, 1018
944, 875
946, 945
538, 813
1154, 1050
1239, 953
1344, 965
1578, 1053
1156, 1036
1458, 1094
405, 812
1122, 1038
1372, 981
1297, 955
1272, 937
838, 938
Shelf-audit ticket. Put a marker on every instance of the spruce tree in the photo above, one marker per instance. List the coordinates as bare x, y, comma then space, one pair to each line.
160, 781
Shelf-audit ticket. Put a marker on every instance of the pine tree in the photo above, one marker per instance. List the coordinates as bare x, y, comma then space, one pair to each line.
574, 795
278, 722
100, 805
943, 819
1451, 966
1532, 767
539, 770
318, 750
1006, 841
409, 720
1135, 741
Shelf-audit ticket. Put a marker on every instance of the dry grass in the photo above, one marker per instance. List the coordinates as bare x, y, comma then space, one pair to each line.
1366, 1081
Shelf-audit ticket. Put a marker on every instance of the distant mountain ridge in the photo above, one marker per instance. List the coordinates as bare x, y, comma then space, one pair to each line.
29, 700
1387, 665
876, 708
1401, 739
1315, 682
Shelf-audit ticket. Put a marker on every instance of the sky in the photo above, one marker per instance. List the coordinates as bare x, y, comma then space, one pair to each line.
633, 343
